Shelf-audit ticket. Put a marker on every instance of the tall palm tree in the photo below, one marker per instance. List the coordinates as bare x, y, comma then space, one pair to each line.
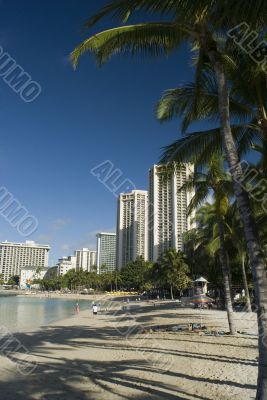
248, 105
233, 238
235, 234
214, 179
197, 22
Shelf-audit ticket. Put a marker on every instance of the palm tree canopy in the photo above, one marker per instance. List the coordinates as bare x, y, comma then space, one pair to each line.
207, 178
198, 100
184, 20
241, 10
187, 20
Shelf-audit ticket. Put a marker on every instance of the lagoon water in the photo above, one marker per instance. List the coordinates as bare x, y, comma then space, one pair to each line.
22, 313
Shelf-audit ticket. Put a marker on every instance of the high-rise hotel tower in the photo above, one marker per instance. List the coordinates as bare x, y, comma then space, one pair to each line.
14, 256
132, 227
106, 252
85, 259
168, 219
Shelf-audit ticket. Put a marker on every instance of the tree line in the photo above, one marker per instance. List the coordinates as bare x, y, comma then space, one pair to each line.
170, 274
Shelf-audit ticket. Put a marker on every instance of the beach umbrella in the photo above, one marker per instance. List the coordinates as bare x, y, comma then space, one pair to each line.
200, 299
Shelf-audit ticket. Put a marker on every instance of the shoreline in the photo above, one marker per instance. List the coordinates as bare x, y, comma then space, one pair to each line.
83, 300
93, 296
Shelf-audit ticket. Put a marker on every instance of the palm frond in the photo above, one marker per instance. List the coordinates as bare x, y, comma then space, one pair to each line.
190, 147
201, 194
198, 101
121, 10
214, 245
197, 147
237, 11
151, 39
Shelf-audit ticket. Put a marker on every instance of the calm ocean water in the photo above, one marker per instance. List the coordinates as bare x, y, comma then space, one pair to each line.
20, 314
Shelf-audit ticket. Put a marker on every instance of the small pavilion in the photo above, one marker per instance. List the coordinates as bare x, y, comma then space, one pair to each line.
201, 285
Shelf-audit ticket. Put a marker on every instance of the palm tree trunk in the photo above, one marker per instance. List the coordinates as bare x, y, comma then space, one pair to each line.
256, 256
171, 293
226, 280
230, 276
245, 282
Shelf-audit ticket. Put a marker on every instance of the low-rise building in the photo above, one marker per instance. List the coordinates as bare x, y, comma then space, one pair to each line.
29, 274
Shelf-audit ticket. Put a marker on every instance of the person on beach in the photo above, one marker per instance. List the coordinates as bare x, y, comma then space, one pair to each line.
77, 309
95, 309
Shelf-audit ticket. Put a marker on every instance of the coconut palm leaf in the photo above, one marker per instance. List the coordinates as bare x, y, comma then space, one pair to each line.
197, 147
151, 39
121, 10
198, 101
192, 145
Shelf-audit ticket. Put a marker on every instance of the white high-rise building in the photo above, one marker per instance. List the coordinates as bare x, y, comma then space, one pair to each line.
85, 259
14, 256
106, 251
132, 227
65, 264
168, 218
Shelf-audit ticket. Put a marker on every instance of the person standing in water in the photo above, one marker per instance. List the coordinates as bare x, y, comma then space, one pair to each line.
77, 309
95, 309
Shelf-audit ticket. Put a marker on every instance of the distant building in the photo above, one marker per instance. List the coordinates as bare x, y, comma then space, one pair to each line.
168, 218
85, 259
132, 227
14, 256
106, 251
51, 272
29, 274
65, 264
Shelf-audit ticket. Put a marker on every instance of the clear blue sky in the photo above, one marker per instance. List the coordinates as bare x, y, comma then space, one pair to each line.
81, 119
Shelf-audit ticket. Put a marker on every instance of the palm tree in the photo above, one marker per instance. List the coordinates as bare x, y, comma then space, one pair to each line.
172, 270
197, 22
235, 235
217, 181
248, 102
233, 238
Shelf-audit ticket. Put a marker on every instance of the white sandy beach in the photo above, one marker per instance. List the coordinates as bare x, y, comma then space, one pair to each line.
106, 358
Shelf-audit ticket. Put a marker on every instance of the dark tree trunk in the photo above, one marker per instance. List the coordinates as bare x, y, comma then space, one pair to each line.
226, 280
256, 256
245, 282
